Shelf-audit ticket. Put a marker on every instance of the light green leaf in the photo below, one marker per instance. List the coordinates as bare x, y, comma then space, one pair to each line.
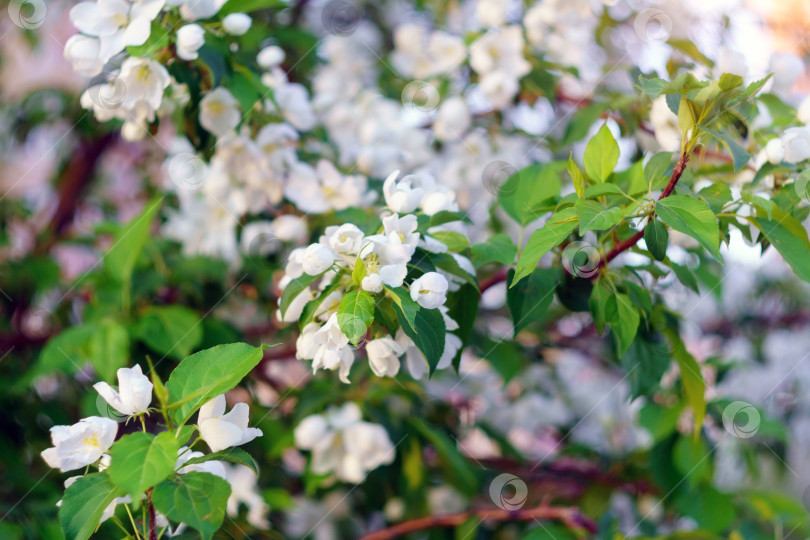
120, 259
595, 217
453, 240
623, 318
549, 236
692, 217
601, 155
498, 248
794, 250
355, 314
109, 348
197, 499
655, 171
206, 374
170, 330
691, 378
576, 176
524, 194
141, 460
83, 504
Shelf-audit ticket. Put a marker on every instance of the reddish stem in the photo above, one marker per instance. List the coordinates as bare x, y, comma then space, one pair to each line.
571, 517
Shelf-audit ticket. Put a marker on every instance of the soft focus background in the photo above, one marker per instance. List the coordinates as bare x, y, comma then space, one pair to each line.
67, 181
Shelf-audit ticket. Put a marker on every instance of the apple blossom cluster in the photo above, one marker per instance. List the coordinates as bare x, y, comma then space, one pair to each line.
91, 444
343, 444
335, 287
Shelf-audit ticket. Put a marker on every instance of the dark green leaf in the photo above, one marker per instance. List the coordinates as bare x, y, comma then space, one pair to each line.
498, 248
293, 289
529, 299
83, 504
657, 238
692, 217
549, 236
197, 499
170, 330
120, 259
427, 332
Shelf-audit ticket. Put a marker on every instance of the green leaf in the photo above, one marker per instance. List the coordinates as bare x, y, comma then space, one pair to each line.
600, 190
739, 156
197, 499
549, 236
311, 307
83, 504
690, 49
141, 460
623, 318
524, 194
691, 377
716, 196
655, 171
794, 250
687, 114
231, 455
170, 330
529, 299
685, 276
601, 155
657, 238
404, 304
597, 304
355, 314
460, 471
293, 289
692, 459
576, 176
120, 259
109, 349
595, 217
645, 362
427, 332
692, 217
453, 240
581, 122
498, 248
204, 375
446, 216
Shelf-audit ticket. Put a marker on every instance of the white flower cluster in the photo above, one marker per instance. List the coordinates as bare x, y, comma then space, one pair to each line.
343, 444
345, 258
88, 441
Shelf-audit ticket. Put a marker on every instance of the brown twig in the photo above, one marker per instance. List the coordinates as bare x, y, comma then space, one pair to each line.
569, 516
624, 245
152, 517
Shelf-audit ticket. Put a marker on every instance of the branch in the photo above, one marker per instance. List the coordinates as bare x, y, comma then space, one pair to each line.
152, 517
571, 517
633, 240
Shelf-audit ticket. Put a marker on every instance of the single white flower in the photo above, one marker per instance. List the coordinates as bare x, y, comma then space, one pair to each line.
83, 52
402, 230
220, 430
193, 10
491, 12
317, 259
236, 24
383, 356
81, 444
143, 81
189, 40
796, 142
219, 112
403, 196
323, 188
429, 290
346, 239
386, 257
134, 391
270, 57
453, 119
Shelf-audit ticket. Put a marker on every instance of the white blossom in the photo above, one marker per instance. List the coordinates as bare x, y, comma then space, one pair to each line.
134, 391
81, 444
429, 290
317, 259
219, 112
220, 430
383, 356
236, 24
189, 40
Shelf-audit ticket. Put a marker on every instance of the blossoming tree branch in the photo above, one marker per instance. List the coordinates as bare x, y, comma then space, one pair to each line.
421, 210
